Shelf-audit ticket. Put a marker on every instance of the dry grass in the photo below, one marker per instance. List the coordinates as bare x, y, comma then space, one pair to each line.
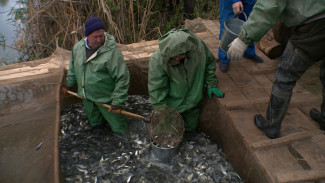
60, 22
52, 23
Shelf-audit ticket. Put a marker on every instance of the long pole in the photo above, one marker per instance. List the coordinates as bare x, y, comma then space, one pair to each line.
145, 119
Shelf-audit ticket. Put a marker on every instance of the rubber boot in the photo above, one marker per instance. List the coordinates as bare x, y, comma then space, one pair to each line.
274, 115
317, 116
224, 67
256, 58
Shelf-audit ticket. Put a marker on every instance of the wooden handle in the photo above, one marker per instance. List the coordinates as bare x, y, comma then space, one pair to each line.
122, 111
145, 119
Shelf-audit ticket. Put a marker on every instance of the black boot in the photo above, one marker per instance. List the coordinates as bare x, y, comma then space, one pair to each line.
274, 116
317, 116
256, 58
223, 67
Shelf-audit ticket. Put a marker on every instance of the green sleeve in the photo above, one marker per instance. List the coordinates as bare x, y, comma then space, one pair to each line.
210, 77
264, 15
120, 73
71, 77
157, 83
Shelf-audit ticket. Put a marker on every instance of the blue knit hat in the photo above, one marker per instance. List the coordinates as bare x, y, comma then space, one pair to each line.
92, 24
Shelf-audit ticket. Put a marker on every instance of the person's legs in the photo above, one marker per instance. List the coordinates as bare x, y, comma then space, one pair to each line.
118, 122
225, 12
316, 115
250, 54
311, 39
94, 115
275, 113
191, 119
250, 51
223, 61
290, 68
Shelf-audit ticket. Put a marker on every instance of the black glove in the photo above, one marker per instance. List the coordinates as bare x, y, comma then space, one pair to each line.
64, 91
115, 109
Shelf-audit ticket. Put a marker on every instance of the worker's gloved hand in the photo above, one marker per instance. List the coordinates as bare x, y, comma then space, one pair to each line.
115, 109
236, 49
238, 7
216, 91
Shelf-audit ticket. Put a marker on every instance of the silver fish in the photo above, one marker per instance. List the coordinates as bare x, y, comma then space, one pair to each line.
39, 145
129, 178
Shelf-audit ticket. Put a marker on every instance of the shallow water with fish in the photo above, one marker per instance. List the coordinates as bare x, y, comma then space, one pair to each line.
96, 154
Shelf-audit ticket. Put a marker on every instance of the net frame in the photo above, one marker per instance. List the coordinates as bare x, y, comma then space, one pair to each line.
166, 128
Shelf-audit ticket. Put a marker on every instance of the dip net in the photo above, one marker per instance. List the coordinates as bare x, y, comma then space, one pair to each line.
166, 128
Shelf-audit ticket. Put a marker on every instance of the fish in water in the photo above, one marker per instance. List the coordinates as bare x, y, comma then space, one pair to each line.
90, 154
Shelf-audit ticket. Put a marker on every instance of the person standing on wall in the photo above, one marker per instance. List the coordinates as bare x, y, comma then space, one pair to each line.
305, 48
230, 9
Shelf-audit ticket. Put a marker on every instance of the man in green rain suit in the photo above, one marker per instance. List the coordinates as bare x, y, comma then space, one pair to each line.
305, 48
98, 67
178, 72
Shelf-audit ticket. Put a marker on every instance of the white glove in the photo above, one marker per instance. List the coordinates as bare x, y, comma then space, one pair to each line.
236, 49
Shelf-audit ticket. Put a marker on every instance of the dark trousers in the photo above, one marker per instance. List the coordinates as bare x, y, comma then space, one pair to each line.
305, 48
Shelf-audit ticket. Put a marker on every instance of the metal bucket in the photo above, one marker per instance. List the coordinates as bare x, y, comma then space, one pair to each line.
164, 154
230, 32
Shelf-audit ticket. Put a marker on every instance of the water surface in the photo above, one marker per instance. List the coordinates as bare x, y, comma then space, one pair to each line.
8, 33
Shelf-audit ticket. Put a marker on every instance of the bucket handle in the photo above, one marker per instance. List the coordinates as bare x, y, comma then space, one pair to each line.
236, 16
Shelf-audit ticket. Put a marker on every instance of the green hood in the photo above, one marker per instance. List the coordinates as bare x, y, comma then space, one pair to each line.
180, 86
177, 42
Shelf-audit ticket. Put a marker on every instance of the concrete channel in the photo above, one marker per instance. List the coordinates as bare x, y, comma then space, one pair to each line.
297, 156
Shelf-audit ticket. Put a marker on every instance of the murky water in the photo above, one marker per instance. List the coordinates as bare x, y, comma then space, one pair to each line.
19, 95
7, 33
98, 155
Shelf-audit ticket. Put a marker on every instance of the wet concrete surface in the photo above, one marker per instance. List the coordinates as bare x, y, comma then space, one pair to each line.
96, 154
28, 130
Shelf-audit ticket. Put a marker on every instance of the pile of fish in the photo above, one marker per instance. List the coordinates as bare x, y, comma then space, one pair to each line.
96, 154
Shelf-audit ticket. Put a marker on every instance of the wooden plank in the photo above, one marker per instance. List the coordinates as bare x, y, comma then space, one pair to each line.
299, 176
236, 104
268, 144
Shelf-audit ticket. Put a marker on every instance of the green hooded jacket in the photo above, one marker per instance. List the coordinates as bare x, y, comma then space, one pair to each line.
266, 13
104, 77
181, 86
